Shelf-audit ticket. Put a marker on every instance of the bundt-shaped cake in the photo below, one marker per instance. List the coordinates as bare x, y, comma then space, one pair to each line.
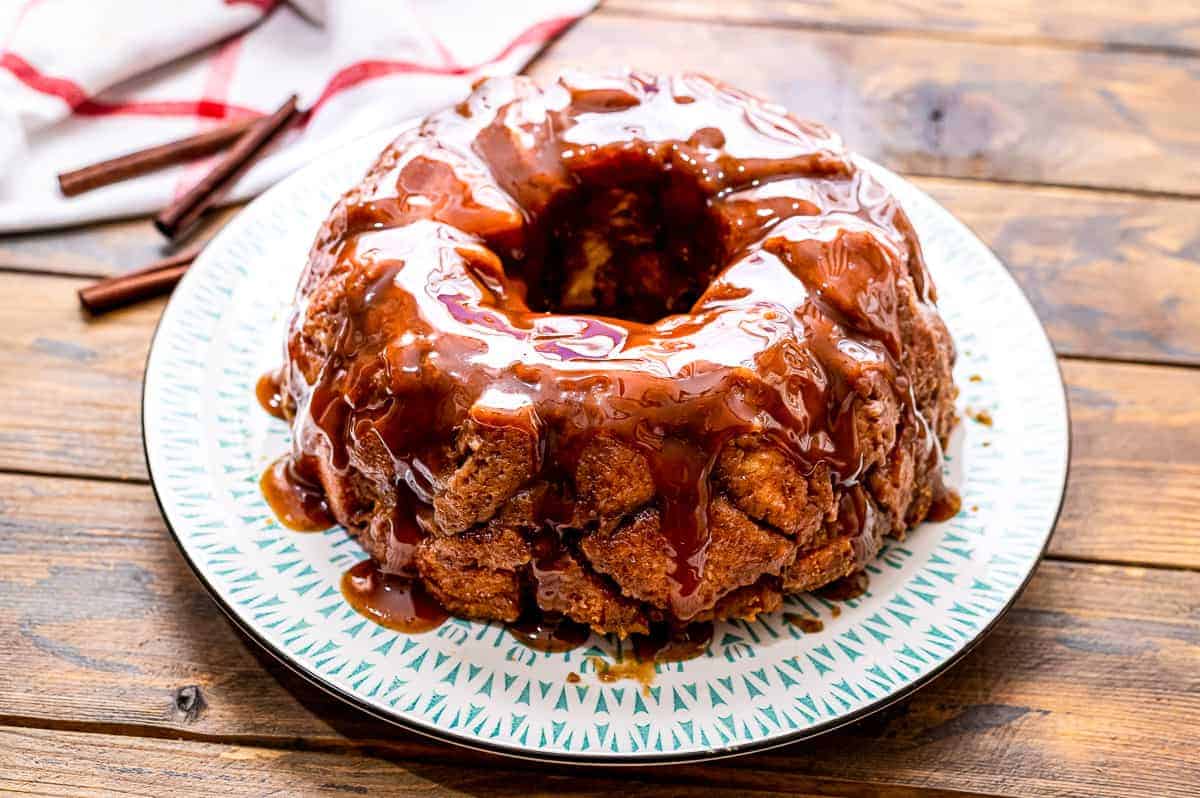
630, 349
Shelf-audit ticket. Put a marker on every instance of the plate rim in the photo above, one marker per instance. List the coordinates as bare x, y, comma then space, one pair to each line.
583, 757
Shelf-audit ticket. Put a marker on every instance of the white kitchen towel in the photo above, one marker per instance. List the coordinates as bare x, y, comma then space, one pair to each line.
86, 80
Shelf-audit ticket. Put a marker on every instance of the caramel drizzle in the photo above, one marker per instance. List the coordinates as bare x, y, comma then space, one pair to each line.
454, 273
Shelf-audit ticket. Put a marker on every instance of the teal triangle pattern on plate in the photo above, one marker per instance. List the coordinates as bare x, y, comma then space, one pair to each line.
931, 595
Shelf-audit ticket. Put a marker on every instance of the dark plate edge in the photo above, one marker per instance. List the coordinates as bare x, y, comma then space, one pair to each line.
624, 760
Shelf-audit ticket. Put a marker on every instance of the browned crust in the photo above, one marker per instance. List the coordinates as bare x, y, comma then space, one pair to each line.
773, 522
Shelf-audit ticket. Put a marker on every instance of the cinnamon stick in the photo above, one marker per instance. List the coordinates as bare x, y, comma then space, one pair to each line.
148, 160
123, 289
112, 294
181, 214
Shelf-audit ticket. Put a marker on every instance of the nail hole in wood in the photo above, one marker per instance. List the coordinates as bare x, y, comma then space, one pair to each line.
189, 702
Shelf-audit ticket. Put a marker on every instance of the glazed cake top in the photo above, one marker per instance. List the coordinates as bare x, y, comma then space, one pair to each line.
667, 261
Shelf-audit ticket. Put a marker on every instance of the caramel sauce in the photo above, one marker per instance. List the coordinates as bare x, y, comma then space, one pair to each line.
805, 623
846, 588
946, 504
641, 671
663, 645
981, 417
549, 632
681, 476
297, 501
678, 645
396, 602
270, 394
523, 260
405, 531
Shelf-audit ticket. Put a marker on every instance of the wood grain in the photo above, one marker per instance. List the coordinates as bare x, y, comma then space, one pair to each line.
70, 387
1090, 681
1111, 275
1134, 488
70, 392
945, 108
1161, 24
120, 676
41, 762
98, 250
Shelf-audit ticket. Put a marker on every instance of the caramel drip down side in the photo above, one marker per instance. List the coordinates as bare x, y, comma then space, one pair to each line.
443, 320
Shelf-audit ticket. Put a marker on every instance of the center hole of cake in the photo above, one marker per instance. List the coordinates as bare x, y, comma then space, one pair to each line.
636, 252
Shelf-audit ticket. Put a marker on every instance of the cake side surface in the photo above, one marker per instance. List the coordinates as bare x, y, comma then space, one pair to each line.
629, 349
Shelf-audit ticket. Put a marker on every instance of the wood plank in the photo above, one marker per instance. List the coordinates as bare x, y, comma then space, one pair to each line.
55, 763
945, 108
97, 250
104, 548
1159, 24
1134, 487
1111, 275
70, 386
70, 392
1088, 686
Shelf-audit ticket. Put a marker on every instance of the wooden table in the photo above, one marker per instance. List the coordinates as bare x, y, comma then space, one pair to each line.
1066, 134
